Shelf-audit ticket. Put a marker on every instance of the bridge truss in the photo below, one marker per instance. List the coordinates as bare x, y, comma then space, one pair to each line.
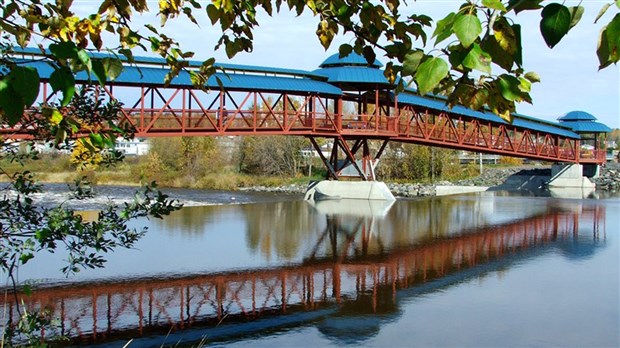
157, 112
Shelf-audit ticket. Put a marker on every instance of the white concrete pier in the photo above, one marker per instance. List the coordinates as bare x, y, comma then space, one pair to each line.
569, 175
334, 190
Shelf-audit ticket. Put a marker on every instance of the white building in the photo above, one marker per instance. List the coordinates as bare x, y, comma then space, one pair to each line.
133, 147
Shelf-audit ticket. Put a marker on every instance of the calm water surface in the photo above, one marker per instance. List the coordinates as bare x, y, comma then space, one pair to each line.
474, 270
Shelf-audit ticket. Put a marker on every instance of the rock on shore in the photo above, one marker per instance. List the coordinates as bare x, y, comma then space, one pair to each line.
609, 178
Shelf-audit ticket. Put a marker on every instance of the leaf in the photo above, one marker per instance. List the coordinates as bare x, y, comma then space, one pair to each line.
127, 53
213, 13
60, 136
412, 62
369, 54
25, 257
523, 5
518, 56
113, 67
532, 76
602, 12
478, 99
62, 80
494, 4
505, 35
344, 50
96, 139
509, 87
444, 28
456, 56
467, 29
99, 71
602, 52
613, 38
390, 72
25, 82
396, 50
498, 55
10, 9
55, 117
525, 85
325, 32
430, 73
85, 59
576, 12
477, 59
555, 23
64, 50
11, 104
52, 114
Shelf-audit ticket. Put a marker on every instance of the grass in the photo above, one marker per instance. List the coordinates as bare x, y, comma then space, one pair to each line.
56, 169
134, 171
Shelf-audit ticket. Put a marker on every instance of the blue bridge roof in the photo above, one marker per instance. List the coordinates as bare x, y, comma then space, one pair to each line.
352, 71
583, 122
518, 121
239, 80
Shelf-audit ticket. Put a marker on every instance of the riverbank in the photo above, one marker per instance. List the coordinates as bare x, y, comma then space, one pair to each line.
509, 179
491, 177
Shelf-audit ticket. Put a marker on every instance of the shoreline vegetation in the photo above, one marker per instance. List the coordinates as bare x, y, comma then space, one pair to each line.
124, 175
273, 164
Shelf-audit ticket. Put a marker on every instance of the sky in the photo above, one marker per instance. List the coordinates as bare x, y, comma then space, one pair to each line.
570, 79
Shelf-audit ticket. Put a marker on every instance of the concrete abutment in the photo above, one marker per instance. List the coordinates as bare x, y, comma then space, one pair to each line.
571, 176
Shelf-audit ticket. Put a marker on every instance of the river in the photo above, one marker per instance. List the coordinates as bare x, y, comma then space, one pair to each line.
248, 269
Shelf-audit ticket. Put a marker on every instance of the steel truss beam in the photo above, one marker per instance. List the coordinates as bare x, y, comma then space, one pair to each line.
157, 111
362, 166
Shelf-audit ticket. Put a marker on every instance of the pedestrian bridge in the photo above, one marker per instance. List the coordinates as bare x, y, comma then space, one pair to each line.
346, 100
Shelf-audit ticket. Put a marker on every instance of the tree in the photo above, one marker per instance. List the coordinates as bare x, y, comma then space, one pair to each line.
28, 228
485, 34
271, 155
416, 162
182, 158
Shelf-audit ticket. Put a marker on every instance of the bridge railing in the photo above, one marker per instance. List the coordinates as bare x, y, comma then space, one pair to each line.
592, 156
157, 111
369, 123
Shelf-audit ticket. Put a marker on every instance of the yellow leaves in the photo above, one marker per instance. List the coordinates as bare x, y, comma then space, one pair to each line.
169, 9
505, 35
326, 31
53, 115
85, 156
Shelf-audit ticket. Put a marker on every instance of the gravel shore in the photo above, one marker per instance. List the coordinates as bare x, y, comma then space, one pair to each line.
609, 180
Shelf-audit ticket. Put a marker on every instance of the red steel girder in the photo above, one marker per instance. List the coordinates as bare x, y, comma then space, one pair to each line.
158, 111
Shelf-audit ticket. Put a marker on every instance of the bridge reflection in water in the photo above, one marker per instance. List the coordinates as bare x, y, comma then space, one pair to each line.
340, 279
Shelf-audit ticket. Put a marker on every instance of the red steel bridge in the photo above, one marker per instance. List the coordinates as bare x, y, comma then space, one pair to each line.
239, 301
345, 100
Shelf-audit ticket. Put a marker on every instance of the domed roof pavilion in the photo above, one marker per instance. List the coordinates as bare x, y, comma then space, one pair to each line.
592, 133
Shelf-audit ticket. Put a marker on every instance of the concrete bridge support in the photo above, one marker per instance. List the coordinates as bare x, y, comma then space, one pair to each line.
349, 160
568, 175
336, 190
